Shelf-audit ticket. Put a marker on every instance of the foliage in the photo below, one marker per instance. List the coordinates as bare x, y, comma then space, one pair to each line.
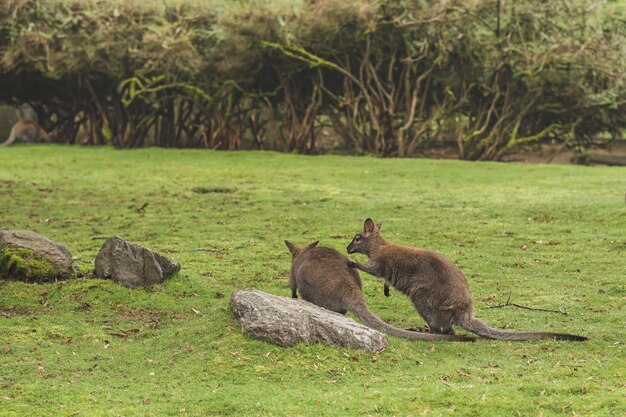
92, 347
389, 77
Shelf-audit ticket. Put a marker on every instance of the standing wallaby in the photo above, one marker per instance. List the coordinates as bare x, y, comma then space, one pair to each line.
322, 277
437, 288
27, 130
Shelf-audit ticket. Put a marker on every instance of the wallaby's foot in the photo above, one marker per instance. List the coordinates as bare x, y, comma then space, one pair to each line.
463, 338
423, 329
386, 290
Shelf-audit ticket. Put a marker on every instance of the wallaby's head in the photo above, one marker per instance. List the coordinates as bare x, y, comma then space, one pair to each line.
295, 251
366, 240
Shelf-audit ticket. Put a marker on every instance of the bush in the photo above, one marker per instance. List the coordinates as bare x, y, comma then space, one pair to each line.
390, 77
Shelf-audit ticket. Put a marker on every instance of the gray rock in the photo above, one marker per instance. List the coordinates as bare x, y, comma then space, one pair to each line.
287, 321
132, 265
29, 256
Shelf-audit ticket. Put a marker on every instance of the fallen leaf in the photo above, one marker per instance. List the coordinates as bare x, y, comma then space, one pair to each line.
195, 311
146, 400
549, 242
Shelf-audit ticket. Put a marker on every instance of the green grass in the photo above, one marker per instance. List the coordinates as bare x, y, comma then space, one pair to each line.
59, 354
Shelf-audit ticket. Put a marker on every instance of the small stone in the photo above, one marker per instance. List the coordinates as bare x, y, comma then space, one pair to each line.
132, 265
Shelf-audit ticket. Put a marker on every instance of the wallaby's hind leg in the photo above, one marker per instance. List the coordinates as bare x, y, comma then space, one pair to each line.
294, 286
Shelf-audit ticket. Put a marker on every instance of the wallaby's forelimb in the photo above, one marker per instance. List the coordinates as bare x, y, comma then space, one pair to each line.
363, 268
371, 272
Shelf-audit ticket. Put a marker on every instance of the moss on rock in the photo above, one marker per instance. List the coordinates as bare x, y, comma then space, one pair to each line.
25, 265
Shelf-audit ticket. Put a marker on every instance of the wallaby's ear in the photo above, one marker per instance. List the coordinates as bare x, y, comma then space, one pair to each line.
312, 245
292, 248
378, 226
369, 226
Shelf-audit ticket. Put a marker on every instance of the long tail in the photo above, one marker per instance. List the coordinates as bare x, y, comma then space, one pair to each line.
9, 141
373, 321
481, 328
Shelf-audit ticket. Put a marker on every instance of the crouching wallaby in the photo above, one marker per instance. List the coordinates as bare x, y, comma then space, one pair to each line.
28, 131
322, 277
437, 288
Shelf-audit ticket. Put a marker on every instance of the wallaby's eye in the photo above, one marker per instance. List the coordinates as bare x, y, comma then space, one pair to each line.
357, 238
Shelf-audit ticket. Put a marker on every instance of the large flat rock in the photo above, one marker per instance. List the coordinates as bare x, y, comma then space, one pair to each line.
287, 321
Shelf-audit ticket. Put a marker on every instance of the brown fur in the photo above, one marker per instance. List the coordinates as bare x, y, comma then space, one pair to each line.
27, 130
322, 277
437, 288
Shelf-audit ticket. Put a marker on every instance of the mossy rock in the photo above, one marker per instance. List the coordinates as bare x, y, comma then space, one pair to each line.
28, 256
24, 265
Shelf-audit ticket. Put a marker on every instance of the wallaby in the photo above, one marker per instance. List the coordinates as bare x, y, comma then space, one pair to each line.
437, 288
27, 130
322, 277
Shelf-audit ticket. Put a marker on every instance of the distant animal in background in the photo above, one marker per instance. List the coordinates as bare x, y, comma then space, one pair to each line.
26, 130
322, 277
437, 288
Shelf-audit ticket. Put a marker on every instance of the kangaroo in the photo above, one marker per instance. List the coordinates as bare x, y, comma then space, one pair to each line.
322, 277
437, 288
27, 130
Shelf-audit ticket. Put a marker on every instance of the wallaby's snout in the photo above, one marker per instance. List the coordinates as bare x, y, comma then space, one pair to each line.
353, 246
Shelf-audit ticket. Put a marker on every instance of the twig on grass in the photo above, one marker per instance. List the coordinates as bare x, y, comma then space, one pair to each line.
509, 303
212, 249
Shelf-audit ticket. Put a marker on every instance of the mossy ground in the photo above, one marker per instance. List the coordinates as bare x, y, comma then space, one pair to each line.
553, 236
25, 265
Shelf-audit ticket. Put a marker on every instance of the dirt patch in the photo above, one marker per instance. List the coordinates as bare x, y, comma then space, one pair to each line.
614, 155
219, 190
15, 311
148, 317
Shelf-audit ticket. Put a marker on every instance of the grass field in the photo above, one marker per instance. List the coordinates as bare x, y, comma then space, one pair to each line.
62, 350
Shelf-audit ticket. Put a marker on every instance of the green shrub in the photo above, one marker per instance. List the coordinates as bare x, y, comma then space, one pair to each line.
390, 77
